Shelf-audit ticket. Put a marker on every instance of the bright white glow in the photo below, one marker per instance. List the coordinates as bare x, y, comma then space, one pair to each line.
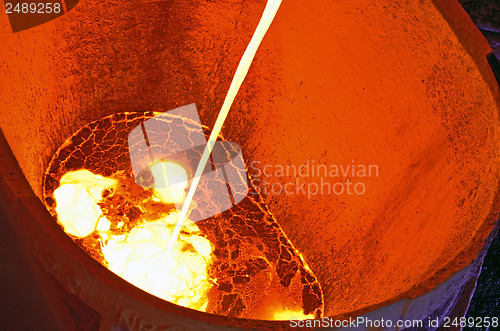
170, 181
287, 314
103, 225
140, 258
77, 197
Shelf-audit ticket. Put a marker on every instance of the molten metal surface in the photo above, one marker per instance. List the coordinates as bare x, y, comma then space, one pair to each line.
238, 263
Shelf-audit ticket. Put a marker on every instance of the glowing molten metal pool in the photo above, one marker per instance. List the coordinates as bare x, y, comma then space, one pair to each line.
238, 263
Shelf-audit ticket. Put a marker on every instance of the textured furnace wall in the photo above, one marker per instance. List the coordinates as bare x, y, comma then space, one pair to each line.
379, 82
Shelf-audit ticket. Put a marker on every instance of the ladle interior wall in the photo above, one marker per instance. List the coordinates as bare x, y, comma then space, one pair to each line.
386, 83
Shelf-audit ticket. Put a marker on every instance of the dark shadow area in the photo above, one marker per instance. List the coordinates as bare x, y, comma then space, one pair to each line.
486, 299
23, 304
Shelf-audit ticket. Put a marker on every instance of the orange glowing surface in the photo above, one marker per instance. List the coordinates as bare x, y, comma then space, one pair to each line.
402, 85
237, 263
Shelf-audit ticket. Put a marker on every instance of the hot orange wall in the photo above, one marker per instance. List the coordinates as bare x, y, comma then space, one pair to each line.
381, 82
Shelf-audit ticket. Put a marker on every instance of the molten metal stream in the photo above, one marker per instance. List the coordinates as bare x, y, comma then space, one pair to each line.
241, 72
